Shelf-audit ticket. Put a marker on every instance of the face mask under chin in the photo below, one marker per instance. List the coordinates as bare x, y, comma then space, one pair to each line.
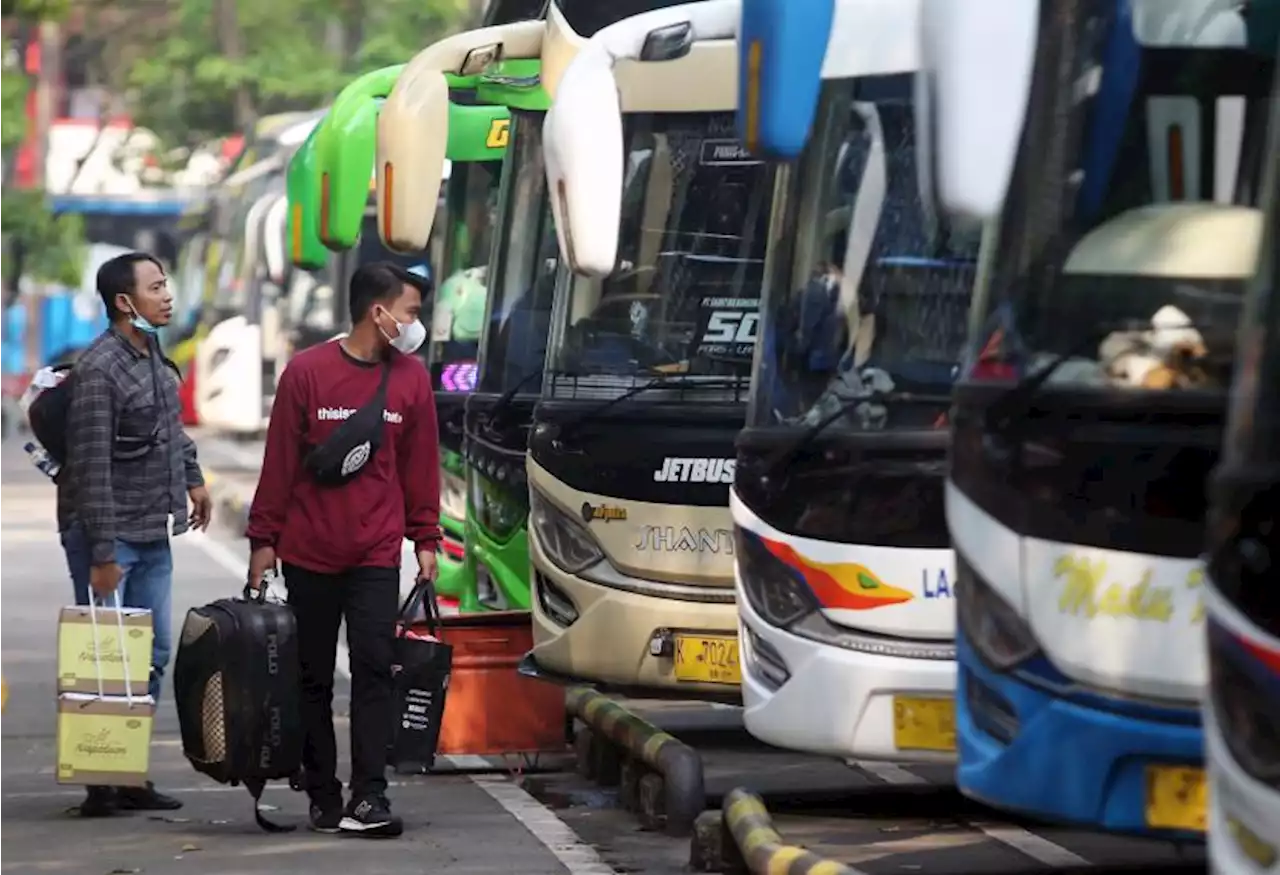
140, 322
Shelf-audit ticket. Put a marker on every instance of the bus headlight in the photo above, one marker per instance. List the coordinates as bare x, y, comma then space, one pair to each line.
1247, 713
776, 592
453, 495
1001, 637
565, 541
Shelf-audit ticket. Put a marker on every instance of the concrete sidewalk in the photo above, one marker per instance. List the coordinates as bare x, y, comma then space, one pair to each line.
454, 823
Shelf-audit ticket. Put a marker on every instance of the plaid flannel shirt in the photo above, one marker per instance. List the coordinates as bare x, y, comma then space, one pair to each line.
129, 462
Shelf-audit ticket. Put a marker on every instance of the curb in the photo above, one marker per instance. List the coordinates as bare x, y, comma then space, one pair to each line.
742, 837
661, 776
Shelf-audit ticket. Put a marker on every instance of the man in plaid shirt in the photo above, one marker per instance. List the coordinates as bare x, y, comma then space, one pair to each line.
130, 468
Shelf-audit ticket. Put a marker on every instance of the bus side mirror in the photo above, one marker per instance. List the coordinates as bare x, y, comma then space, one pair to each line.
979, 56
413, 136
582, 148
302, 180
582, 134
781, 48
413, 127
345, 155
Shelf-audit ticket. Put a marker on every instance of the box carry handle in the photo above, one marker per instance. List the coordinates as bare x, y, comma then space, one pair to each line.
97, 645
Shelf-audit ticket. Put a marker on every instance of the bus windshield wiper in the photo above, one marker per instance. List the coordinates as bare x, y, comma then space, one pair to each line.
504, 400
1015, 402
789, 452
658, 381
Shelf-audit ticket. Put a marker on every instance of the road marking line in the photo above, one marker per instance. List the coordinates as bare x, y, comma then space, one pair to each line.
216, 788
1024, 841
229, 559
889, 772
542, 823
1037, 848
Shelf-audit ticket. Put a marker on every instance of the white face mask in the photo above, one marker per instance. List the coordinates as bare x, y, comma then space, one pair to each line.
412, 335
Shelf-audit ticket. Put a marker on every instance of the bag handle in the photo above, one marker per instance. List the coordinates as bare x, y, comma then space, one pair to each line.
97, 644
423, 594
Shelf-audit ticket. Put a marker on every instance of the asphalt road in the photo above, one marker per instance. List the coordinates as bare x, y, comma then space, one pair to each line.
455, 823
881, 818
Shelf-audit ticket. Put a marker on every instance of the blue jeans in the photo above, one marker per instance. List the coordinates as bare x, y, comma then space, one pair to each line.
147, 583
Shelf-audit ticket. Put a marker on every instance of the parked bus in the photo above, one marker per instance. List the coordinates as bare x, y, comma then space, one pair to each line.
236, 360
662, 222
518, 64
845, 576
1117, 150
1242, 709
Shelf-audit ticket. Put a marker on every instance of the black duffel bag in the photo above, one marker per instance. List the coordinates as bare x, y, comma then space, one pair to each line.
236, 685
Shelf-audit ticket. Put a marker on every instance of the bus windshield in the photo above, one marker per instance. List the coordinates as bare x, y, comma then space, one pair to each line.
685, 295
1128, 233
868, 296
457, 319
523, 270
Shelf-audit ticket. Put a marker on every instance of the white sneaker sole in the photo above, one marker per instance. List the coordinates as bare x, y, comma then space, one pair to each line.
385, 827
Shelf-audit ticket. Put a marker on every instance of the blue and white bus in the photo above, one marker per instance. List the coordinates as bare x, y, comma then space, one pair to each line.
1115, 151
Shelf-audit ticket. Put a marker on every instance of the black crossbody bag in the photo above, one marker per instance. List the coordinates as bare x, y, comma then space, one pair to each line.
341, 457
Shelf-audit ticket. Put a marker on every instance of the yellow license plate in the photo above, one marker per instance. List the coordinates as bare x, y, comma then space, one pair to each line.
924, 724
708, 659
1177, 798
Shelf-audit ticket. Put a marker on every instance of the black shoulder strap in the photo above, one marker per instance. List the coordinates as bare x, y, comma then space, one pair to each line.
255, 787
379, 399
381, 395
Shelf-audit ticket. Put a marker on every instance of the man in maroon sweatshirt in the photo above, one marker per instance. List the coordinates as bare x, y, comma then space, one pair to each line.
340, 544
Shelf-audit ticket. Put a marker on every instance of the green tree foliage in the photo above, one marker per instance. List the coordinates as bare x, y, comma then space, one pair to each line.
36, 10
43, 246
37, 243
216, 65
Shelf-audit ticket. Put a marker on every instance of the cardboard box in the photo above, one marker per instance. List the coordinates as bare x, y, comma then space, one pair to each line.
104, 740
78, 664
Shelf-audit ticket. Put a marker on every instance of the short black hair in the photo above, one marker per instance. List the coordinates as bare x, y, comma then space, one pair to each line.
117, 277
381, 282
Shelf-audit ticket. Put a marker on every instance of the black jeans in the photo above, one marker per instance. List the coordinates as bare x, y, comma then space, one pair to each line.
368, 599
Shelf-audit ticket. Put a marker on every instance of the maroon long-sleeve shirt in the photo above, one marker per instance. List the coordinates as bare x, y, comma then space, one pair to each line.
361, 523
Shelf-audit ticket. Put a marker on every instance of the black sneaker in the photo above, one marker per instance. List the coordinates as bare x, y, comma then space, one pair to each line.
99, 802
326, 816
371, 817
146, 798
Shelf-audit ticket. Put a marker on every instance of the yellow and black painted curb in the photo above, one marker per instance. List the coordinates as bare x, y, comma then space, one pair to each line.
684, 789
761, 847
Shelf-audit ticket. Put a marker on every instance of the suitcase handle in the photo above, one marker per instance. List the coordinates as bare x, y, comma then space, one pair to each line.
258, 595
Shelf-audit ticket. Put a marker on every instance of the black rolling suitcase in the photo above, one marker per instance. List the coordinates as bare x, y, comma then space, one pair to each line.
235, 683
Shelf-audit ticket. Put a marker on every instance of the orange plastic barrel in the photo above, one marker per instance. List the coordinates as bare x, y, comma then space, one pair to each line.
491, 708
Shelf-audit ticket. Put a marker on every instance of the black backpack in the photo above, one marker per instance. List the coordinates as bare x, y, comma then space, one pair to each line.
47, 416
49, 410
